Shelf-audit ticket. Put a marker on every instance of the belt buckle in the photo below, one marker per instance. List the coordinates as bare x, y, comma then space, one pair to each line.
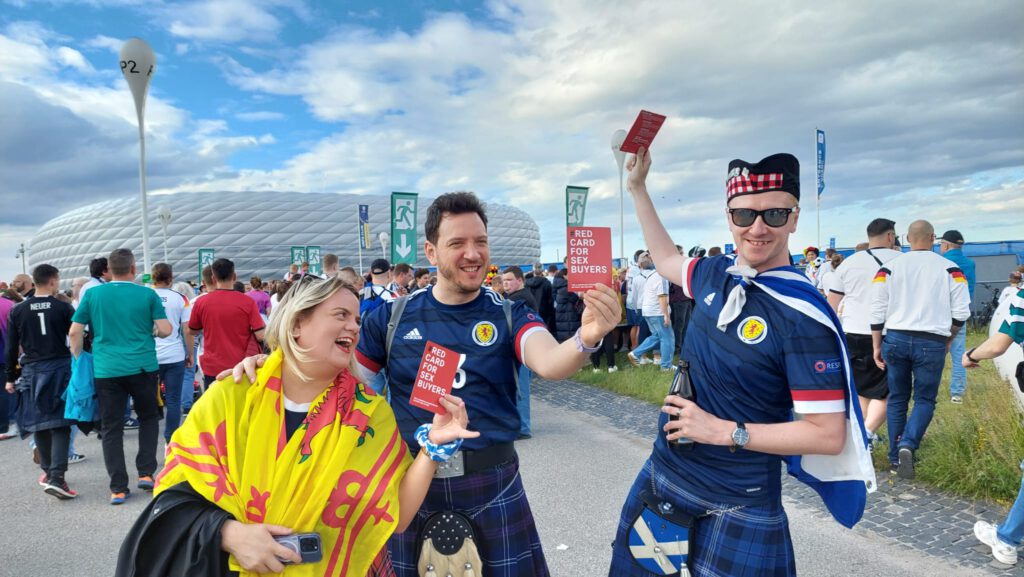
454, 467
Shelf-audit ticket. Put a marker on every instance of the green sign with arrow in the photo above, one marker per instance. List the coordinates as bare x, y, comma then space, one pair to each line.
403, 227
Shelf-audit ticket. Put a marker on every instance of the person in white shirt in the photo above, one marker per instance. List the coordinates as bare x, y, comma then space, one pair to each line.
850, 285
635, 278
99, 273
173, 352
921, 300
1016, 283
658, 316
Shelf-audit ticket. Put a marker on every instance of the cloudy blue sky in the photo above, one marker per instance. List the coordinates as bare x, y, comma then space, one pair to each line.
922, 102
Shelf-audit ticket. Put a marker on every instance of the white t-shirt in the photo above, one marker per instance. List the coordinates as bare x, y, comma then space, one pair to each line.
635, 280
655, 286
853, 280
171, 349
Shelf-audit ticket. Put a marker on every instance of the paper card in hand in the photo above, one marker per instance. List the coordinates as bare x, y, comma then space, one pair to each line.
644, 129
435, 377
590, 257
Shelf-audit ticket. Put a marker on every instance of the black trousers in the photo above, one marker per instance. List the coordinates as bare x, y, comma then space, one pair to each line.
681, 312
607, 349
112, 394
53, 451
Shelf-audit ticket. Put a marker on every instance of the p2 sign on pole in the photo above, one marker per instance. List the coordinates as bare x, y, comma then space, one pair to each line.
206, 258
575, 205
298, 255
313, 258
403, 227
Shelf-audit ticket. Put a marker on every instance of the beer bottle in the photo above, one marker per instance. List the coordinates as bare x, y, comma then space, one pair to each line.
682, 387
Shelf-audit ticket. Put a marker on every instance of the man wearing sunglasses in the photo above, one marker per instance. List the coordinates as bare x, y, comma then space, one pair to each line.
763, 346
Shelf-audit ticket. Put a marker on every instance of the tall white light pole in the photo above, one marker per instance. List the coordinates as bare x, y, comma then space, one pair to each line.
384, 238
618, 137
137, 65
165, 219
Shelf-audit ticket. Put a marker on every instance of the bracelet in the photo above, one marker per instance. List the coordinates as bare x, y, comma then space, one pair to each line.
582, 347
438, 453
969, 357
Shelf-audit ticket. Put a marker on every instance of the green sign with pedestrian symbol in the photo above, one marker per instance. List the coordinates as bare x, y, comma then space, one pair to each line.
575, 205
403, 227
206, 258
313, 258
298, 255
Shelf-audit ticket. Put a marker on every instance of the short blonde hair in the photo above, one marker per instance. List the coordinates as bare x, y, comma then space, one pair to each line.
296, 306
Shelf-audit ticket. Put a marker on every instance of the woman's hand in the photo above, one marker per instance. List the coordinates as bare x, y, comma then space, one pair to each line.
451, 425
695, 423
254, 547
245, 368
638, 165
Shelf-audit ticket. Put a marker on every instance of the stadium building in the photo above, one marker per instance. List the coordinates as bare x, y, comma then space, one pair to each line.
256, 230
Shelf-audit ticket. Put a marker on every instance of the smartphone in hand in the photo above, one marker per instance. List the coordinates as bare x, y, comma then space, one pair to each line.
307, 545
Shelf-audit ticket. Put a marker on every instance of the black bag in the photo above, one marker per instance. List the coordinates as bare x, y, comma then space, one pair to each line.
448, 547
1020, 376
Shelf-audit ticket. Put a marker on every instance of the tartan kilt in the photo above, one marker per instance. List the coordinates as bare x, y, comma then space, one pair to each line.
751, 541
495, 499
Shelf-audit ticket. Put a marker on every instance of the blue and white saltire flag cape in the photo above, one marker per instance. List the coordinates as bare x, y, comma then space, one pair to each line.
844, 480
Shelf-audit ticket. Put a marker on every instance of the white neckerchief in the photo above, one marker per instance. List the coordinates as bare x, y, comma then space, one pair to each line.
744, 276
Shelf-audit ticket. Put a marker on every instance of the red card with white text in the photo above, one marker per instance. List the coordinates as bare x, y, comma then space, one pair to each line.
590, 257
645, 128
435, 377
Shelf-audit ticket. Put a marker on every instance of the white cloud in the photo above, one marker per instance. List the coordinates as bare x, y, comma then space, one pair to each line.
260, 115
229, 21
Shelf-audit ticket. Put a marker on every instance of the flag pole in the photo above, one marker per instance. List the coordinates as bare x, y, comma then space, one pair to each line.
817, 198
359, 239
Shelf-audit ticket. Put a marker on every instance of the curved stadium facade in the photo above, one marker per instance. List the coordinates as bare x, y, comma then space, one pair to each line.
256, 230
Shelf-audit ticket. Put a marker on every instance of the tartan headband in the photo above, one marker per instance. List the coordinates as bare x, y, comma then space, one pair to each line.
775, 172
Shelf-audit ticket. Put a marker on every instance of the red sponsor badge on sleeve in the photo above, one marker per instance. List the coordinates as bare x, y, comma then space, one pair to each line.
645, 128
435, 377
590, 257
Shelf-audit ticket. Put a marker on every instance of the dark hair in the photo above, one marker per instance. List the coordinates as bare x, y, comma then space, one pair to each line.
207, 275
162, 273
43, 273
282, 289
552, 268
12, 295
637, 254
402, 268
330, 260
880, 226
238, 286
420, 273
223, 269
120, 261
516, 272
97, 267
451, 203
256, 282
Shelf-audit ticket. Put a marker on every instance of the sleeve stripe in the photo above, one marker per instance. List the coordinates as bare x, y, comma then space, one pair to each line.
688, 266
816, 407
367, 363
818, 394
524, 334
840, 293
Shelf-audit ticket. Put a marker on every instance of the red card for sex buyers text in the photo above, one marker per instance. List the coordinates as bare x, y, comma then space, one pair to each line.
645, 128
590, 257
435, 377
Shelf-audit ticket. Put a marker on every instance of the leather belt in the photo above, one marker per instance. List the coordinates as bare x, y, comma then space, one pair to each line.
466, 462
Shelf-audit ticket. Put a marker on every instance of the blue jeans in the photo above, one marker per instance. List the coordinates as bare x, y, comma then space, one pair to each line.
1012, 529
662, 337
172, 375
188, 387
914, 367
958, 384
523, 403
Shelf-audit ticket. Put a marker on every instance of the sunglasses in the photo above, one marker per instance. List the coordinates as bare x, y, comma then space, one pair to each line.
773, 217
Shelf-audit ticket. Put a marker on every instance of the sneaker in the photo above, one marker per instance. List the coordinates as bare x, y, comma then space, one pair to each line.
59, 489
524, 436
8, 435
75, 458
35, 455
667, 370
633, 360
612, 369
44, 480
595, 370
894, 468
119, 498
131, 424
905, 468
646, 361
1003, 552
146, 483
956, 400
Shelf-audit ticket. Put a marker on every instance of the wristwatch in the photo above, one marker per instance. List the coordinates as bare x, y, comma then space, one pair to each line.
740, 437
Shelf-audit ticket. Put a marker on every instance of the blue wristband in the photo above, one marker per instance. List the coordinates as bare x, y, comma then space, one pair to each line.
439, 453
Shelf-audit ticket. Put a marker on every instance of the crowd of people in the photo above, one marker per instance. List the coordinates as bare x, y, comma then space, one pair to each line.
285, 401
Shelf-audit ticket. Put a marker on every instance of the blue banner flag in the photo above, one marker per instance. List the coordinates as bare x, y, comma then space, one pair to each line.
364, 226
821, 161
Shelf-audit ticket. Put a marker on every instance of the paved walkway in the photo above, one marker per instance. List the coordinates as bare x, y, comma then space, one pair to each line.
587, 448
